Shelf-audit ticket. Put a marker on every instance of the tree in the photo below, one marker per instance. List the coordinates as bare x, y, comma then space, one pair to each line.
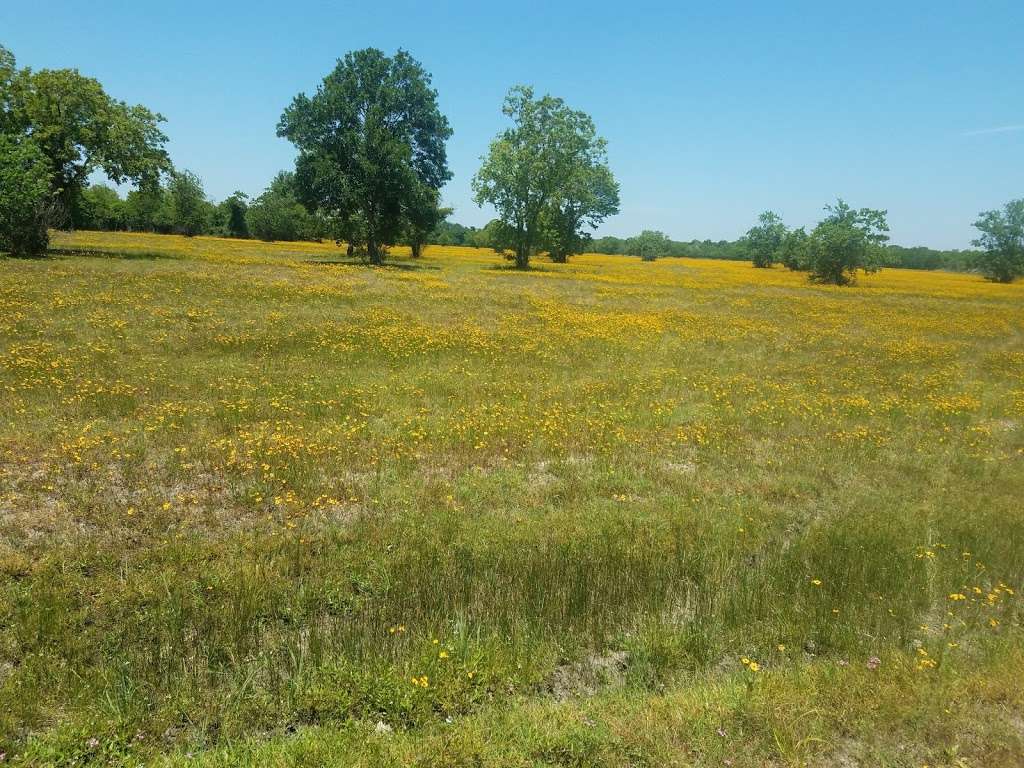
79, 129
371, 145
763, 242
25, 197
590, 195
494, 235
1002, 242
147, 209
648, 245
188, 203
793, 249
423, 216
541, 164
101, 208
233, 211
278, 215
845, 242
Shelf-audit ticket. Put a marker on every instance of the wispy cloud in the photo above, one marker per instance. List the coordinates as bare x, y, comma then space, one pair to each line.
1000, 129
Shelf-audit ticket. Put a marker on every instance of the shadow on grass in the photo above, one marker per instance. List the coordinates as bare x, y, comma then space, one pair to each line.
406, 266
513, 269
94, 253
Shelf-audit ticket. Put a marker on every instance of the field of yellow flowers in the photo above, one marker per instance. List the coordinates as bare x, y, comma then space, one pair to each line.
262, 506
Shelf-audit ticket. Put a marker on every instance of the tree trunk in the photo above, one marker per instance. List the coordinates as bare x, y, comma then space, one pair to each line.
417, 249
522, 258
373, 252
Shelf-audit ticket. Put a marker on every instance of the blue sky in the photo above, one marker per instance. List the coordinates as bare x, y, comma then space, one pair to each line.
713, 111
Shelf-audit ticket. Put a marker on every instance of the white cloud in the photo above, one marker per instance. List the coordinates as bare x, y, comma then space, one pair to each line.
1000, 129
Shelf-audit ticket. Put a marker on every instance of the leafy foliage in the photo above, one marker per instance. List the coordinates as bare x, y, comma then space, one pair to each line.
188, 203
547, 176
371, 146
232, 213
79, 128
763, 242
25, 197
277, 214
649, 245
101, 208
793, 249
1002, 242
845, 242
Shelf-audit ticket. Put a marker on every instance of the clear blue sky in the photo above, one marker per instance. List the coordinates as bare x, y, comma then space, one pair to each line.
713, 111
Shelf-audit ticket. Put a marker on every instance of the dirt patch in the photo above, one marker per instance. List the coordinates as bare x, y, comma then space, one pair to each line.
589, 675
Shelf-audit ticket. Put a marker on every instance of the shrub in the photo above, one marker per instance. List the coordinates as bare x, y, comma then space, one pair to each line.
26, 201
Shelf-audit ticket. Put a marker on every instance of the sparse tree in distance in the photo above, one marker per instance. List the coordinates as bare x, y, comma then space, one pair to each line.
422, 216
1002, 242
793, 249
371, 142
762, 243
278, 215
649, 245
846, 241
188, 203
233, 210
494, 235
546, 163
101, 208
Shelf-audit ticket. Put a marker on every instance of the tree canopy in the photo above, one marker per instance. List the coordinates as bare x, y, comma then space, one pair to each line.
547, 176
371, 145
1002, 242
762, 242
78, 129
846, 241
649, 245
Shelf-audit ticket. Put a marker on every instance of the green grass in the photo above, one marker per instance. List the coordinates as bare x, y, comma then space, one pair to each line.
252, 505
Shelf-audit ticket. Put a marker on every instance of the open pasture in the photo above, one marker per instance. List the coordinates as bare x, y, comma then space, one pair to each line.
259, 504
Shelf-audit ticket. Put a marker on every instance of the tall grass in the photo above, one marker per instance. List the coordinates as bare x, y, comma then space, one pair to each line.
244, 494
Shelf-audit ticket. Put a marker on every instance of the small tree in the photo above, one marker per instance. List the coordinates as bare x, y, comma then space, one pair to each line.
25, 197
763, 242
371, 142
188, 203
101, 208
648, 245
233, 211
1002, 242
422, 216
793, 249
845, 242
143, 206
545, 164
278, 215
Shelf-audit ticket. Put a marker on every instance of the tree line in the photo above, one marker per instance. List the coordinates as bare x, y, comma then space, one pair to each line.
371, 162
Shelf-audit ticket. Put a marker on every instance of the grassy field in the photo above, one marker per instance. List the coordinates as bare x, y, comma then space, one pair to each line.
262, 507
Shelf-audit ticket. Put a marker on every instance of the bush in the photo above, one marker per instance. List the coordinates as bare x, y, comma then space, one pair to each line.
1002, 241
763, 242
26, 201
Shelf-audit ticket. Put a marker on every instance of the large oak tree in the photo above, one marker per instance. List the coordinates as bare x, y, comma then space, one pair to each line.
78, 129
371, 144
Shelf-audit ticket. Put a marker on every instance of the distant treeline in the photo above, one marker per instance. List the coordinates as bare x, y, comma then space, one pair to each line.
919, 257
181, 207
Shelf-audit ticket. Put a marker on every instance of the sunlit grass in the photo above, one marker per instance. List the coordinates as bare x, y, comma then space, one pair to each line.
247, 488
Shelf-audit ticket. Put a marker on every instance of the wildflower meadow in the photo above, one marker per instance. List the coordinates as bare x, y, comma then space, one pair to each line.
261, 504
